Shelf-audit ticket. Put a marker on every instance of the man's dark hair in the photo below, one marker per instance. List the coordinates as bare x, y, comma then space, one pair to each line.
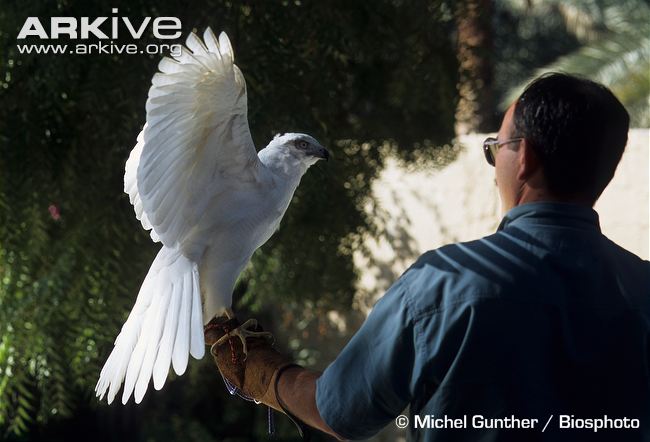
577, 127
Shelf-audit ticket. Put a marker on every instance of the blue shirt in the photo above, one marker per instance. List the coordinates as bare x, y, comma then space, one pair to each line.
545, 317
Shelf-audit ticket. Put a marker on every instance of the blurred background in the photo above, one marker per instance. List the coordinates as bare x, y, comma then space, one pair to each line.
401, 92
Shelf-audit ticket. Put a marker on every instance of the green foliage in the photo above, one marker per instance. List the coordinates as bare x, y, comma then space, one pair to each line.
72, 254
614, 49
527, 36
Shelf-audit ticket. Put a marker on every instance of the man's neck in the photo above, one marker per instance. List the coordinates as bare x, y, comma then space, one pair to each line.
530, 195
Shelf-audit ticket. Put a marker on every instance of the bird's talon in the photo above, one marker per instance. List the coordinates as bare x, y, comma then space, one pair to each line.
244, 332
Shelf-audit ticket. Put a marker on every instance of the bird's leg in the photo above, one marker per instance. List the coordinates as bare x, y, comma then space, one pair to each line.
229, 313
245, 331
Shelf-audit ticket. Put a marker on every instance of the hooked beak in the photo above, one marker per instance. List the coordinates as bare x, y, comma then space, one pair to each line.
321, 153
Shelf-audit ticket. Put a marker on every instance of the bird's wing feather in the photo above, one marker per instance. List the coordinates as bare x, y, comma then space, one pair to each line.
131, 184
196, 138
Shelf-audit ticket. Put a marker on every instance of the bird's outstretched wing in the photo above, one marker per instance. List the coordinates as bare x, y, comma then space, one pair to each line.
194, 150
196, 138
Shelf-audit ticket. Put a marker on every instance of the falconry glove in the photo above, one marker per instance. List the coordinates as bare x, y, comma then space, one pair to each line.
247, 360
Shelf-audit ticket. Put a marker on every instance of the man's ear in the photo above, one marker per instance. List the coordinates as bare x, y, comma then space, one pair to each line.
527, 160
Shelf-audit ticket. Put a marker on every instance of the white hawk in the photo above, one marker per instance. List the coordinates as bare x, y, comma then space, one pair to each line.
196, 181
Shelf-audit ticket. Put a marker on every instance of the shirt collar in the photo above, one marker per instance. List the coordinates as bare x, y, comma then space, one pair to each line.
552, 213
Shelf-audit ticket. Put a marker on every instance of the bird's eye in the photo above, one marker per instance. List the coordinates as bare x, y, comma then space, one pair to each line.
302, 144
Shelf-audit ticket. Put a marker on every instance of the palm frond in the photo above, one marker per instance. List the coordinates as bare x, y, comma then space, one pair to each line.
619, 58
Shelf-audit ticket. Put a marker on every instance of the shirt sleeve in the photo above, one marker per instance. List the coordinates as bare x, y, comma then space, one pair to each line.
367, 385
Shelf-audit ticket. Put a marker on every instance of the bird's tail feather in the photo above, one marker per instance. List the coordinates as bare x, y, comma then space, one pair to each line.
164, 326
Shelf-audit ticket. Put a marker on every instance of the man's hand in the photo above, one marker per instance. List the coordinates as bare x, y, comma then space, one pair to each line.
255, 370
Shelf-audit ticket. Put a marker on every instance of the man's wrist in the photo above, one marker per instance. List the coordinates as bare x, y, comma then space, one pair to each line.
296, 389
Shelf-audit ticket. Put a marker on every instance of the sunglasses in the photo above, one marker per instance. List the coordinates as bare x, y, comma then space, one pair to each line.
491, 145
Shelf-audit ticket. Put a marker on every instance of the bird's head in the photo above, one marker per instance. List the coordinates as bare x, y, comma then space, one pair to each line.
302, 148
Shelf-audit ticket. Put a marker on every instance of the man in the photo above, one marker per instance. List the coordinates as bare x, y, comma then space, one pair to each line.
521, 335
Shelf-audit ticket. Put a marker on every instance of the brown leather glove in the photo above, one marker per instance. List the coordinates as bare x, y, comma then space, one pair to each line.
256, 373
